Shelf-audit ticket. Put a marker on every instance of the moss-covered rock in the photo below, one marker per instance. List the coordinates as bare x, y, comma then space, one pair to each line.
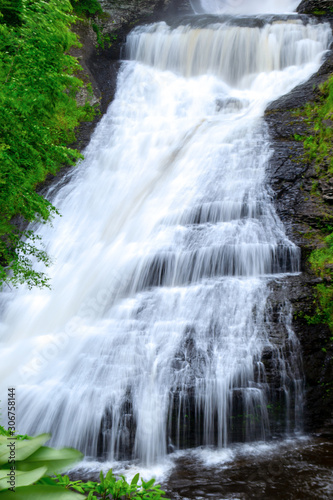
316, 7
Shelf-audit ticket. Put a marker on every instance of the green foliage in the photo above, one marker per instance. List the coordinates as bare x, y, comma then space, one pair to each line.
327, 387
11, 11
321, 261
319, 115
38, 116
30, 461
322, 258
324, 307
4, 432
87, 7
35, 463
92, 10
319, 147
118, 489
41, 492
101, 38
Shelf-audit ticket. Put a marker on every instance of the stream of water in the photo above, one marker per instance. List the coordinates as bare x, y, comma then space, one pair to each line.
154, 336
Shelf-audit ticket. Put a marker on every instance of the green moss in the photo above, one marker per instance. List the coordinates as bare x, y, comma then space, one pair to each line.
87, 7
92, 12
319, 150
321, 261
319, 116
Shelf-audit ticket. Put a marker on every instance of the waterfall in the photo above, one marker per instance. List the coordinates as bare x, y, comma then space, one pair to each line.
156, 334
244, 6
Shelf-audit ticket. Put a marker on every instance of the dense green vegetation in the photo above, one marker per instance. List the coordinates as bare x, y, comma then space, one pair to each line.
38, 117
319, 148
319, 115
87, 7
34, 467
113, 488
91, 10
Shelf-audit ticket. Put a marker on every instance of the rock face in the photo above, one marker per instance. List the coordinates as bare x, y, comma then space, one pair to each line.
315, 7
292, 176
122, 10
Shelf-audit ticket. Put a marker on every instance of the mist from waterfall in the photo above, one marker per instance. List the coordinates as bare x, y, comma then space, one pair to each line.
154, 334
251, 7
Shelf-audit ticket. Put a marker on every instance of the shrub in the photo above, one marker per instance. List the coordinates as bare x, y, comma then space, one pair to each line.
38, 117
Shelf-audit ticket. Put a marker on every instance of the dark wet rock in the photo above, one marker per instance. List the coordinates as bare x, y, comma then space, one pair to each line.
300, 470
328, 123
290, 470
317, 367
326, 188
315, 7
303, 197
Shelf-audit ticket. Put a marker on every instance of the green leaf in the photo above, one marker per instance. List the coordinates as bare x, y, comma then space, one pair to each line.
48, 481
21, 478
110, 476
40, 493
22, 449
135, 479
101, 477
54, 460
149, 484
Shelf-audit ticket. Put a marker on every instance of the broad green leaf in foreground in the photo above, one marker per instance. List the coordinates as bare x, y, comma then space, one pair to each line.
53, 460
40, 493
135, 480
23, 449
21, 478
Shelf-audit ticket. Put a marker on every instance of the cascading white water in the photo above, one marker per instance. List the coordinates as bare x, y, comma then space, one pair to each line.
244, 6
212, 50
154, 333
